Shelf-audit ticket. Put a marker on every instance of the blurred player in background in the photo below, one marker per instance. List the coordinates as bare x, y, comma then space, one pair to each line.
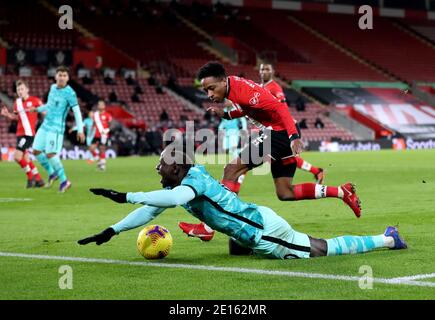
102, 120
266, 74
257, 103
232, 129
25, 132
49, 138
88, 123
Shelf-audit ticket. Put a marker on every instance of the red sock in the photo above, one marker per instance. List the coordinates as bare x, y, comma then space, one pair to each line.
304, 165
35, 171
315, 191
233, 186
25, 166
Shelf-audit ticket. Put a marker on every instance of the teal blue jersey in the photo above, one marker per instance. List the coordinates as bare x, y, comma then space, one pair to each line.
90, 129
233, 124
59, 103
221, 208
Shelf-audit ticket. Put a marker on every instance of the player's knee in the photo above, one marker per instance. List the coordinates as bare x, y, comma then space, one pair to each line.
237, 250
18, 157
230, 172
285, 195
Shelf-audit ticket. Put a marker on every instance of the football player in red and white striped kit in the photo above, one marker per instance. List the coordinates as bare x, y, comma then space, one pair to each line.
102, 120
25, 131
267, 81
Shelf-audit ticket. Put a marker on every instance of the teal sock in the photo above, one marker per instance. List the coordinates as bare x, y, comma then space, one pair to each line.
354, 244
43, 160
58, 168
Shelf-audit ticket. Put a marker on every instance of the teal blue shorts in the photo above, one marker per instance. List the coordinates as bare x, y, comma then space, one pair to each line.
279, 240
47, 141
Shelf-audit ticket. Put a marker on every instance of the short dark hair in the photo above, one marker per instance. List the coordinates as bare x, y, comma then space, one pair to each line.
212, 69
62, 69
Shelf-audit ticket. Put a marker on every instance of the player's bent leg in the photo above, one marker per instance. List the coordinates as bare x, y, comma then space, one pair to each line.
319, 247
286, 191
55, 161
279, 240
37, 179
39, 145
237, 249
232, 173
21, 161
319, 173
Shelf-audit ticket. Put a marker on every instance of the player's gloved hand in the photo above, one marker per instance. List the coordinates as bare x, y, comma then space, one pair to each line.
116, 196
99, 238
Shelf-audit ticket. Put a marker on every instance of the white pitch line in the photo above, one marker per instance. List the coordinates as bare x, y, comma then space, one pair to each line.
395, 281
416, 277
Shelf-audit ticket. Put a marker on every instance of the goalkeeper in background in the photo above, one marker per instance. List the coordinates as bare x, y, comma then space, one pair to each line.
232, 130
254, 229
49, 137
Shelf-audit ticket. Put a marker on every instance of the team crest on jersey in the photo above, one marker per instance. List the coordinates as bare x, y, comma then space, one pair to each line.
254, 100
29, 103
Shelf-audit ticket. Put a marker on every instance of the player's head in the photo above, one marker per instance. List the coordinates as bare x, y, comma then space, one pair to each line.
266, 72
22, 89
91, 114
213, 79
101, 105
173, 165
62, 76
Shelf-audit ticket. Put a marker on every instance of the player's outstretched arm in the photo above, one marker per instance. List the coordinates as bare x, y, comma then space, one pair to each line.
116, 196
99, 238
163, 198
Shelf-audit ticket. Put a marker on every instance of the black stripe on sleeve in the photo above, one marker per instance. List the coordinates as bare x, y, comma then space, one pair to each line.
193, 189
286, 244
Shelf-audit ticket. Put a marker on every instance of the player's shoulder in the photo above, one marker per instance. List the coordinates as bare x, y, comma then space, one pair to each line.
69, 90
197, 170
35, 100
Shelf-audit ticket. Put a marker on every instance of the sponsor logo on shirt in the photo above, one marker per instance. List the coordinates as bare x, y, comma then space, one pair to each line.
254, 100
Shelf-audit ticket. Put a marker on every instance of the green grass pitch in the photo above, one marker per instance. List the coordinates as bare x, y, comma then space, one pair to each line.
395, 187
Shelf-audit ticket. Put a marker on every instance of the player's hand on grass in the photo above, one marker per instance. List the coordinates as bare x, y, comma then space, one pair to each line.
99, 238
297, 146
217, 110
81, 137
116, 196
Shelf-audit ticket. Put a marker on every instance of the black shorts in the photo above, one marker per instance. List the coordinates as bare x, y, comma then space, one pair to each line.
98, 141
24, 142
274, 145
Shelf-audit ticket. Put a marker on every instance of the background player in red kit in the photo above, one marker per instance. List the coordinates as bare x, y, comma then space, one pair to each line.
267, 81
262, 107
25, 131
102, 120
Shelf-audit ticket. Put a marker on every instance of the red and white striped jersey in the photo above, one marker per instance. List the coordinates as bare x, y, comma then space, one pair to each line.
26, 120
102, 123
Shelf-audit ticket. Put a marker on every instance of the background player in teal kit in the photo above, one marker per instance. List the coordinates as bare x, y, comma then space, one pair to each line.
232, 133
49, 137
253, 227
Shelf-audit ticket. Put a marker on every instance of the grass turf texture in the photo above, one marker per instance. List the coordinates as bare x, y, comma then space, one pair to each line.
395, 187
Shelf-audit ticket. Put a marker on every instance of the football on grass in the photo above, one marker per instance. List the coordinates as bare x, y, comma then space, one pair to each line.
154, 242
